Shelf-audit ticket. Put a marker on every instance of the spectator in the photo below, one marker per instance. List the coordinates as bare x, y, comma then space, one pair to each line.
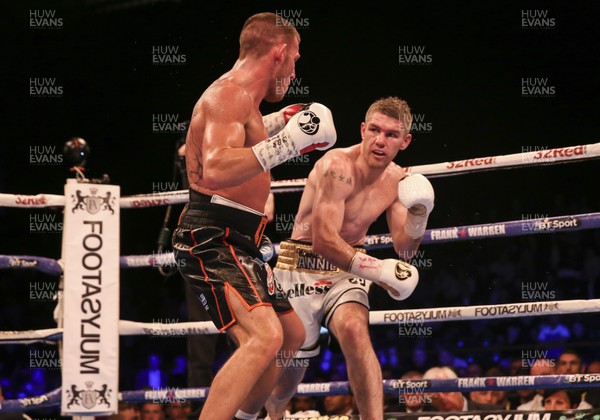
495, 397
489, 397
538, 368
569, 362
126, 411
179, 410
594, 367
152, 411
560, 399
516, 367
452, 401
304, 403
412, 402
338, 405
473, 371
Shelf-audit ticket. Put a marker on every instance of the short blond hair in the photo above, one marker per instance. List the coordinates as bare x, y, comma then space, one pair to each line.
392, 107
263, 30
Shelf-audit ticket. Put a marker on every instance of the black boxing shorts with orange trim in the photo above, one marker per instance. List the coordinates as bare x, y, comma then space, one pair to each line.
216, 249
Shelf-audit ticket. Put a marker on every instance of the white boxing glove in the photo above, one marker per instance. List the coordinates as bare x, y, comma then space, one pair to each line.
275, 121
416, 194
397, 277
309, 129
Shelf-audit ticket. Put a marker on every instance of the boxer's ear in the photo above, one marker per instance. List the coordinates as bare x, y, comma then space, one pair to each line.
406, 141
279, 52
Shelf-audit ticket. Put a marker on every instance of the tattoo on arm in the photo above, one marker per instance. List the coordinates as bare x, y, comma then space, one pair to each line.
338, 177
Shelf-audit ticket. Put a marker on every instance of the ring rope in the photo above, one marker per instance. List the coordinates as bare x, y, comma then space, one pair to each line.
377, 241
387, 317
390, 386
47, 400
29, 262
499, 229
539, 157
478, 312
435, 170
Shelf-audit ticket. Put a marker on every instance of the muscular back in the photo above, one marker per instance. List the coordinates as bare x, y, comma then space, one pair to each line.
225, 123
363, 196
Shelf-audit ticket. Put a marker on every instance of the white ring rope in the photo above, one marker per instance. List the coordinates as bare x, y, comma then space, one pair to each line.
535, 158
388, 317
435, 170
515, 160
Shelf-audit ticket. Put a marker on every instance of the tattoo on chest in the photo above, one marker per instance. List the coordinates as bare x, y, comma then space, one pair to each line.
336, 176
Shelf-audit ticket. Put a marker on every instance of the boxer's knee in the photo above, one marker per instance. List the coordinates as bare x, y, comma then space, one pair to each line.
268, 339
258, 332
351, 332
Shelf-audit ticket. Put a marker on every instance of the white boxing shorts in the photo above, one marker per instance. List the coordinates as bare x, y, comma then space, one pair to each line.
315, 289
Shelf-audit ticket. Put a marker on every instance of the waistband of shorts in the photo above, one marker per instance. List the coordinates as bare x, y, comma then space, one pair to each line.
245, 222
300, 256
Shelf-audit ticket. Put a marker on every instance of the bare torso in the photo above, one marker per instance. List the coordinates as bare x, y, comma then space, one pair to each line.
369, 199
253, 192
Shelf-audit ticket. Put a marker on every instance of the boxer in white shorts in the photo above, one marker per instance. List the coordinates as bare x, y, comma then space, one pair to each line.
317, 289
321, 271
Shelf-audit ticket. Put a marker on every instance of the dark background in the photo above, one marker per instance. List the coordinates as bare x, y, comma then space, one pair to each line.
470, 94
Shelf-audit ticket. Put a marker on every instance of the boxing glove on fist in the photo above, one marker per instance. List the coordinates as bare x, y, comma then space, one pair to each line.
397, 277
416, 194
309, 129
275, 122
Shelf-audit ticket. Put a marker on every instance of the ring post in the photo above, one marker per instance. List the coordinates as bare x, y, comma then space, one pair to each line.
90, 249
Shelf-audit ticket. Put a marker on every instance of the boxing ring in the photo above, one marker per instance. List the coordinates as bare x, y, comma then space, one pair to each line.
512, 228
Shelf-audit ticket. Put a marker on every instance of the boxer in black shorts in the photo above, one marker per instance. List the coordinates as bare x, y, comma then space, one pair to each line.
229, 151
222, 256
